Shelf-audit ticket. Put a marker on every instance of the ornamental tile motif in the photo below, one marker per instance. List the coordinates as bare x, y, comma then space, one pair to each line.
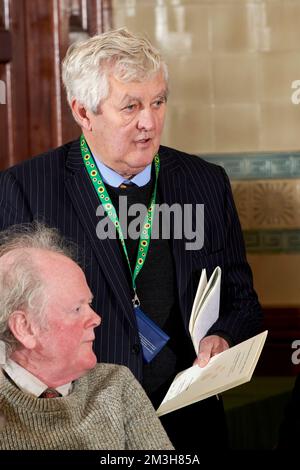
268, 204
275, 204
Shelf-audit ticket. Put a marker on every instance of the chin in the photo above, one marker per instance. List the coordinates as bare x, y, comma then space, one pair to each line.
93, 361
143, 159
90, 362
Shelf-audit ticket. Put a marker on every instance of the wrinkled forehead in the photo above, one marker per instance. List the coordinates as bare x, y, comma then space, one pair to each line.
153, 86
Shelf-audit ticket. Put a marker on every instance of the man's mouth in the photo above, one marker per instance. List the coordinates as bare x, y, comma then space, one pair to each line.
142, 141
90, 340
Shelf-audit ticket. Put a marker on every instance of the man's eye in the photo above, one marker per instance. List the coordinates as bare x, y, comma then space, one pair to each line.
77, 309
130, 107
159, 102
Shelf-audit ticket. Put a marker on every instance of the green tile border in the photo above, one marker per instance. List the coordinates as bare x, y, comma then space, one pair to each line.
272, 241
258, 165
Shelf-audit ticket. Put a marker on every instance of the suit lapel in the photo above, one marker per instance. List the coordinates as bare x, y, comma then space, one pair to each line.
85, 202
174, 189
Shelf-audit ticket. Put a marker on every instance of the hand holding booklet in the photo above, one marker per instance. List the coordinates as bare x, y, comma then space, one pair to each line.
226, 370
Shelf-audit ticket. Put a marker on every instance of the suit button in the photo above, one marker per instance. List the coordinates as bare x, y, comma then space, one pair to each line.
136, 348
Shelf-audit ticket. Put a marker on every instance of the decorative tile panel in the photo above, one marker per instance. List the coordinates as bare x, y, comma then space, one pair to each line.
246, 166
266, 190
272, 241
268, 204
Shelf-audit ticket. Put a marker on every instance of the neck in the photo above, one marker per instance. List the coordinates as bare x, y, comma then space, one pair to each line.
42, 371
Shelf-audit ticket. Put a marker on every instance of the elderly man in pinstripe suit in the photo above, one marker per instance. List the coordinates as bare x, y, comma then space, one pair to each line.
117, 89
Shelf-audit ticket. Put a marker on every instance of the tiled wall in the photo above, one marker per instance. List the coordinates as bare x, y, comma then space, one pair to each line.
232, 64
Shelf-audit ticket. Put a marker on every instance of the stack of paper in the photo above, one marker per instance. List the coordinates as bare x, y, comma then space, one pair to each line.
228, 369
205, 311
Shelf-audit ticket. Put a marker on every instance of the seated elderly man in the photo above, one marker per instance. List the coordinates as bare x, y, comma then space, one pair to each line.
53, 395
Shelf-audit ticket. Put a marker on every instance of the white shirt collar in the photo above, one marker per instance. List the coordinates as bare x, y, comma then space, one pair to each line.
28, 382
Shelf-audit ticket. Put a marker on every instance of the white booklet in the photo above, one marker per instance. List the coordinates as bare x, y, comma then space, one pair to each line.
205, 311
226, 370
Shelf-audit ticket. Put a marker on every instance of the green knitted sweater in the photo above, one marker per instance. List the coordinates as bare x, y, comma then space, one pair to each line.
107, 409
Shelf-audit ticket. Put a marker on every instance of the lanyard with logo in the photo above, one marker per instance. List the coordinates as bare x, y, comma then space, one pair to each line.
151, 336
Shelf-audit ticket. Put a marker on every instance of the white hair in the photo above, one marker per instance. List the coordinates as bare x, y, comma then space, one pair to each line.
87, 65
21, 286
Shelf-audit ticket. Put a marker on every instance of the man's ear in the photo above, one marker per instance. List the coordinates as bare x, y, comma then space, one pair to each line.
21, 326
81, 115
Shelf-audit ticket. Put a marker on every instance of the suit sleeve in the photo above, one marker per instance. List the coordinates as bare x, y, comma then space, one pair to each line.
14, 208
240, 312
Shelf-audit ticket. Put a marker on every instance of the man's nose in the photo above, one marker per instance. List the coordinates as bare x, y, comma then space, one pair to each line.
146, 119
94, 319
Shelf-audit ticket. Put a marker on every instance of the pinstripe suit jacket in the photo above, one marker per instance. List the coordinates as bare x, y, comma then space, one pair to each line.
55, 188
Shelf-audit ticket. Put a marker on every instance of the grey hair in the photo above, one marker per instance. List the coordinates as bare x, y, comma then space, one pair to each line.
87, 65
21, 287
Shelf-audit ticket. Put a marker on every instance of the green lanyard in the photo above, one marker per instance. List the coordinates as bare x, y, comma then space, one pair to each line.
110, 210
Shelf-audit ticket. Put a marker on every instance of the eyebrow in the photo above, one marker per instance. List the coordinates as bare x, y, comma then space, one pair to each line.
126, 98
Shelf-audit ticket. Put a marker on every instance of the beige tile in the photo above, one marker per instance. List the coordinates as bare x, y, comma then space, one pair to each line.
140, 18
169, 3
197, 23
235, 78
182, 29
283, 22
277, 71
190, 79
280, 126
231, 30
175, 27
248, 3
236, 127
189, 128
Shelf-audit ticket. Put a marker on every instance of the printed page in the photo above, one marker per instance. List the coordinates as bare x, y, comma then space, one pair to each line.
228, 369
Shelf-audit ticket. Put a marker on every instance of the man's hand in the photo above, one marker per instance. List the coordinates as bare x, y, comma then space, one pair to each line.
209, 347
